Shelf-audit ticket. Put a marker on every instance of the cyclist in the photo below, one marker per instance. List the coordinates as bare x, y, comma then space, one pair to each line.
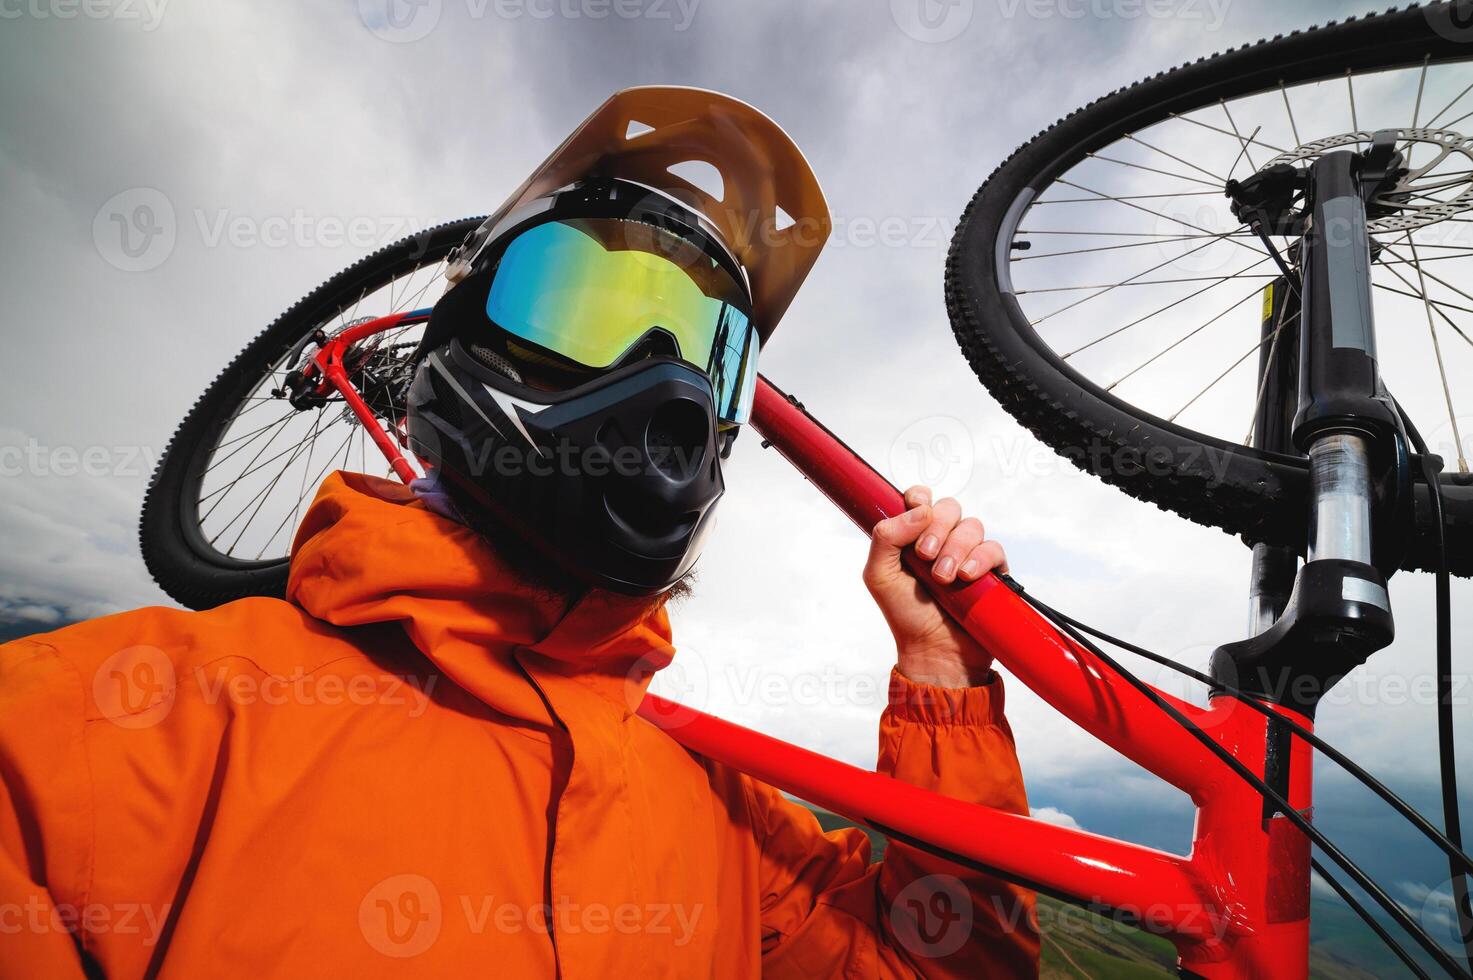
426, 759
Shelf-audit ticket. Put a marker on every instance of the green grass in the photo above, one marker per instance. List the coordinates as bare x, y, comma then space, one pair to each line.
1081, 945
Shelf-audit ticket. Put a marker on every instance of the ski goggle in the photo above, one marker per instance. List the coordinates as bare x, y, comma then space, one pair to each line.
591, 290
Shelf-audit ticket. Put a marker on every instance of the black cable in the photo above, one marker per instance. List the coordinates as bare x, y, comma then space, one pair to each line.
1367, 918
1454, 852
1446, 750
1288, 273
1389, 905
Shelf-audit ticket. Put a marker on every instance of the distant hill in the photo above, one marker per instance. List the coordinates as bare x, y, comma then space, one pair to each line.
14, 631
1080, 945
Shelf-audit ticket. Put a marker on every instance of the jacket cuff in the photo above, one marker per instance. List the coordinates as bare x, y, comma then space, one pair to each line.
928, 704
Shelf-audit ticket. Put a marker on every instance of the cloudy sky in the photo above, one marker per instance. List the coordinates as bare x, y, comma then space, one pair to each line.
289, 122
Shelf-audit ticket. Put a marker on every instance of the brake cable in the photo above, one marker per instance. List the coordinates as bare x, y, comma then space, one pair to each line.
1446, 749
1454, 851
1318, 837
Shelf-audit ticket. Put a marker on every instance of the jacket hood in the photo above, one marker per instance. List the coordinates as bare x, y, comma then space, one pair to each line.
369, 552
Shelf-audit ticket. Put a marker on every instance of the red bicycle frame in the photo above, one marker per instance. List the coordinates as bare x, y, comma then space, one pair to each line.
1236, 907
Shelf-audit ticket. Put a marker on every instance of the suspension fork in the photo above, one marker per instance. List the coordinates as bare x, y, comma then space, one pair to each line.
1305, 637
1337, 613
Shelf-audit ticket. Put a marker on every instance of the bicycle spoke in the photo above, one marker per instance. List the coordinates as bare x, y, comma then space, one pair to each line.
1242, 153
1126, 197
259, 498
1436, 304
1441, 367
1164, 309
1158, 214
259, 432
1139, 166
225, 490
1106, 289
1102, 248
1228, 132
1273, 352
1180, 340
1147, 282
1217, 179
1239, 135
1293, 128
1456, 99
1229, 370
1417, 106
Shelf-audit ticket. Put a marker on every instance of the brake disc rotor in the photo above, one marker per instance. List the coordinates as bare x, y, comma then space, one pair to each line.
1421, 196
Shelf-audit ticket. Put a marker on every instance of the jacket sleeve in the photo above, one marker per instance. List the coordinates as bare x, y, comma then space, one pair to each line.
828, 912
45, 814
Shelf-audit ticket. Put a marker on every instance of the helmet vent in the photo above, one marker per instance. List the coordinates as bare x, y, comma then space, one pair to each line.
675, 439
489, 358
702, 176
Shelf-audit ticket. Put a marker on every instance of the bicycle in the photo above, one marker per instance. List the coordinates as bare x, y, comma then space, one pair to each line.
1332, 466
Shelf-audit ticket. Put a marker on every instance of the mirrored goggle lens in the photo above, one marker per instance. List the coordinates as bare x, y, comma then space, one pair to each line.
592, 289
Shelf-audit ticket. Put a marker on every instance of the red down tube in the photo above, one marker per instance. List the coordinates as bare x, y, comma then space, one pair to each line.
1163, 891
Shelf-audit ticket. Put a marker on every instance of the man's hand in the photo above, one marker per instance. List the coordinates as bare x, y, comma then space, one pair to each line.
932, 650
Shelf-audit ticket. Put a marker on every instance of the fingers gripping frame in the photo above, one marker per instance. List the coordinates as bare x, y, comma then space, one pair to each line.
1236, 907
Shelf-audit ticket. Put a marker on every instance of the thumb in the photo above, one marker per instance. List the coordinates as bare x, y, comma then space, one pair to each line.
886, 541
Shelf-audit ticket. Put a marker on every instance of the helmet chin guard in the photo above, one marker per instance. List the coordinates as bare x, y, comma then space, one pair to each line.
614, 481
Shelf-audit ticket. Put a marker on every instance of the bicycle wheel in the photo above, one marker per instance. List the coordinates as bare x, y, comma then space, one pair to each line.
224, 502
1105, 294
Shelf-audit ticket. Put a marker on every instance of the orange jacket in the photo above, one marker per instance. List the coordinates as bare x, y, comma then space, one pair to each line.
419, 766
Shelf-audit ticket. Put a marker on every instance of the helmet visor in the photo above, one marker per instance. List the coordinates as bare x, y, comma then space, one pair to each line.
593, 289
